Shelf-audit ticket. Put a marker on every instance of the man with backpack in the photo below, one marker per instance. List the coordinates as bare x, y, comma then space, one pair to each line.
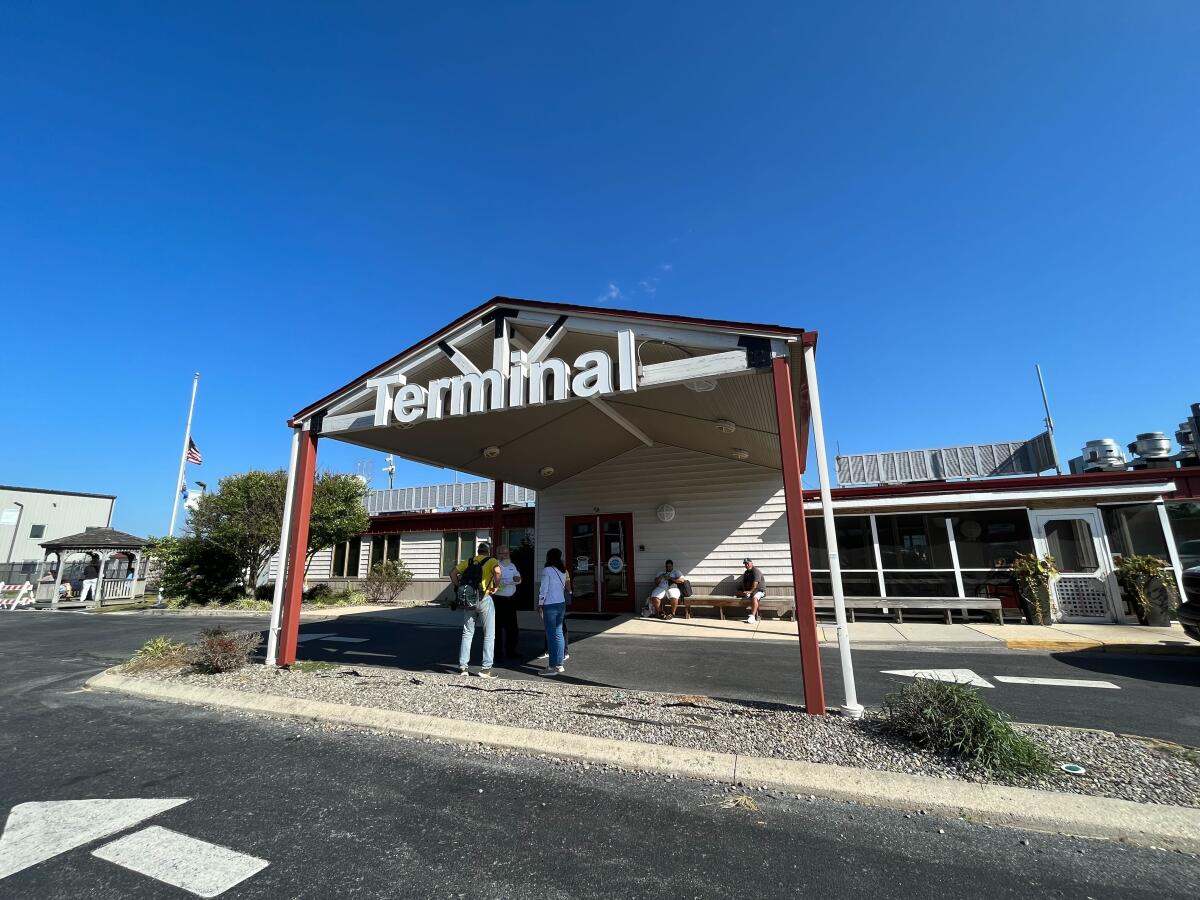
475, 580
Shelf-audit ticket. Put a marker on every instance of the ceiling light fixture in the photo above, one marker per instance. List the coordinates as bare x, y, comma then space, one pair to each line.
739, 453
701, 385
546, 471
725, 426
491, 452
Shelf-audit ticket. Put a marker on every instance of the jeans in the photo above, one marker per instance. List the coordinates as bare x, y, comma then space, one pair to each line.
485, 611
552, 615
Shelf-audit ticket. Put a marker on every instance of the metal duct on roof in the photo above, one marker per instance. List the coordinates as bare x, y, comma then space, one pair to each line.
968, 461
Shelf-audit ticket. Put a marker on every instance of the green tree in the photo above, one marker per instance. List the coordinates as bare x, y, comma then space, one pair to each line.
339, 512
191, 570
242, 518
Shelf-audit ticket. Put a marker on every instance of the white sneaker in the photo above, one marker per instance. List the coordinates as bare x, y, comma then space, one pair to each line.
562, 669
484, 673
566, 656
750, 620
463, 672
549, 672
543, 656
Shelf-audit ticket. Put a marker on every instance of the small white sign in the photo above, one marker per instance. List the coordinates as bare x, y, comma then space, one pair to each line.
10, 516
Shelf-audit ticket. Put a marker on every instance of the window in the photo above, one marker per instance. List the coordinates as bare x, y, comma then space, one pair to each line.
1185, 523
991, 539
345, 559
914, 542
37, 531
855, 544
385, 547
1134, 529
854, 584
920, 584
456, 546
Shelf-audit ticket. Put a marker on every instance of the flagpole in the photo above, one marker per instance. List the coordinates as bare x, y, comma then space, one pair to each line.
187, 436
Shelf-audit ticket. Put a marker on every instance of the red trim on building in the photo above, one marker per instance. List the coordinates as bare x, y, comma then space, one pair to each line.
1034, 482
458, 520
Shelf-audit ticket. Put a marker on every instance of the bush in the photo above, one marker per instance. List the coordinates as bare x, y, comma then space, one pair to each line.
219, 650
386, 581
196, 571
159, 653
265, 591
248, 603
954, 719
341, 598
316, 592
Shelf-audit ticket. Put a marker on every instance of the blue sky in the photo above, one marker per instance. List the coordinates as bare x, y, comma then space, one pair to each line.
283, 195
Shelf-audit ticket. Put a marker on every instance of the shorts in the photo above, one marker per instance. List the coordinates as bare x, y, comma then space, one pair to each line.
662, 590
758, 595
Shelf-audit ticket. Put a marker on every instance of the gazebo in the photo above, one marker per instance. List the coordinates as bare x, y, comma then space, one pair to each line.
104, 546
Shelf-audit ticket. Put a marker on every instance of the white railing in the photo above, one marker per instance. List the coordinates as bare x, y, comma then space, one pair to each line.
462, 495
118, 588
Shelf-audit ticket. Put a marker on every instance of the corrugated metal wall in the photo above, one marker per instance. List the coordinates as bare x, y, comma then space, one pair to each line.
724, 510
62, 514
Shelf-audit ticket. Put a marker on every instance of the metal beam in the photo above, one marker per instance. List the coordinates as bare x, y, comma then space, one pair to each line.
713, 365
607, 409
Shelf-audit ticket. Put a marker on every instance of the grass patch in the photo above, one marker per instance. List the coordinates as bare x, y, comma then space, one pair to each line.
160, 652
330, 601
313, 665
247, 603
124, 607
955, 719
740, 801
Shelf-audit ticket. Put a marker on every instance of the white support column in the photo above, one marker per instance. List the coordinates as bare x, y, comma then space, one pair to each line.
954, 556
1172, 550
58, 574
103, 567
284, 539
851, 707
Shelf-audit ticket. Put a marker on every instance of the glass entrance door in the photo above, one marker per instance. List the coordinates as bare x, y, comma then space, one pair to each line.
600, 558
1084, 589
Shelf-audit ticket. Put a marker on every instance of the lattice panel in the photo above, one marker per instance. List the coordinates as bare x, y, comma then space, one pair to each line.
1082, 598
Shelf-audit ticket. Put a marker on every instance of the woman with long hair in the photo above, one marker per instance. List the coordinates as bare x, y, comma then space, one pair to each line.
552, 601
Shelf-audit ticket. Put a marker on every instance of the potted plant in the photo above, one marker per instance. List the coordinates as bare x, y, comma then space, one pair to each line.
1148, 584
1033, 574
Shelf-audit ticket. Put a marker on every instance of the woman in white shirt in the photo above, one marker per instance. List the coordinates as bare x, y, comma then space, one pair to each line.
552, 600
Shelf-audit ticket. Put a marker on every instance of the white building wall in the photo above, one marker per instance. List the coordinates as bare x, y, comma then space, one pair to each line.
724, 510
62, 514
422, 553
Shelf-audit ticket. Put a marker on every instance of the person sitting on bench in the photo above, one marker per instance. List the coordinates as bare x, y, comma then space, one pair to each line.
666, 584
752, 588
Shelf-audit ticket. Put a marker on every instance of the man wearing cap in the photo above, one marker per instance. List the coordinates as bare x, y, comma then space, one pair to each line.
752, 588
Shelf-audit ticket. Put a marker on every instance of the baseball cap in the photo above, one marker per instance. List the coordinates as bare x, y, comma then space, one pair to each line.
747, 560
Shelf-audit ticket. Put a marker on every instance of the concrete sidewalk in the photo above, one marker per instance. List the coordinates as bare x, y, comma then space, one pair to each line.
1109, 638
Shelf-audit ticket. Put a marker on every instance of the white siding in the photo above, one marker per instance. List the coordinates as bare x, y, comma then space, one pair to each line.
724, 511
61, 514
422, 553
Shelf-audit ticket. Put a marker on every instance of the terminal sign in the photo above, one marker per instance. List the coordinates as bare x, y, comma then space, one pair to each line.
524, 384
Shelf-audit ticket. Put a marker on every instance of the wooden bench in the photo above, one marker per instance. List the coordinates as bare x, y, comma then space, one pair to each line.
786, 606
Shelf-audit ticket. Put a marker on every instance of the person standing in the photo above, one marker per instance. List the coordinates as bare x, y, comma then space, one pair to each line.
91, 575
507, 629
475, 580
552, 600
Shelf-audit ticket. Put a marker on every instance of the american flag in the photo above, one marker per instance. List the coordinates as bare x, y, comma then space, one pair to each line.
193, 454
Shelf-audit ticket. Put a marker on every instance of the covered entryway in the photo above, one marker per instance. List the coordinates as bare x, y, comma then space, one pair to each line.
1086, 589
538, 394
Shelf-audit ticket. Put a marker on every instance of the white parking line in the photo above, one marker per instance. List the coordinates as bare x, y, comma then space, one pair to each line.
312, 637
346, 640
1057, 682
197, 866
958, 676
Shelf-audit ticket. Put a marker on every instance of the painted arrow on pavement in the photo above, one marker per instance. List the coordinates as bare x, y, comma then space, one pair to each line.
35, 832
959, 676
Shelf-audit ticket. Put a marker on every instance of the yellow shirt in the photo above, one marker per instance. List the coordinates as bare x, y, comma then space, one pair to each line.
490, 581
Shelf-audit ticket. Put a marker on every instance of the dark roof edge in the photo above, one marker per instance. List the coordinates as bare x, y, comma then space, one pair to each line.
29, 490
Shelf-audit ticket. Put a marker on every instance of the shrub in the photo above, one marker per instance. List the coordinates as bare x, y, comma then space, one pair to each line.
1033, 574
196, 571
386, 581
219, 650
316, 592
249, 603
954, 719
265, 591
160, 652
1149, 584
341, 598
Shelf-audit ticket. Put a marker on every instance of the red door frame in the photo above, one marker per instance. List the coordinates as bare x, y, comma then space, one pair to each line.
597, 520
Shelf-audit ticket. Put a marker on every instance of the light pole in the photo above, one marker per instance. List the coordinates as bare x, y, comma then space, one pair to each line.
16, 528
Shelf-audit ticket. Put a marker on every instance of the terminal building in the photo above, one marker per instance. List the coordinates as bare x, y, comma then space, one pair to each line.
636, 437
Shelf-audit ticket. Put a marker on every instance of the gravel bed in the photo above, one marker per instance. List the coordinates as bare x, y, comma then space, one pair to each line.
1116, 766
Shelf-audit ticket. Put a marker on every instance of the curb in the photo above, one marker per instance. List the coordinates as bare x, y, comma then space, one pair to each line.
1097, 646
1138, 824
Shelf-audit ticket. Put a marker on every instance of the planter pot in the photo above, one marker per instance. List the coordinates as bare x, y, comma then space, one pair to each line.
1041, 602
1160, 608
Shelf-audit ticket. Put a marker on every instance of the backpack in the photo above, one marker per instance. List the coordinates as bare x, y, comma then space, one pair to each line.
468, 593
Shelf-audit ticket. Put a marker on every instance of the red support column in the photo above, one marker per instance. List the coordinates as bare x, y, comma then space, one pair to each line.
793, 495
498, 515
297, 548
